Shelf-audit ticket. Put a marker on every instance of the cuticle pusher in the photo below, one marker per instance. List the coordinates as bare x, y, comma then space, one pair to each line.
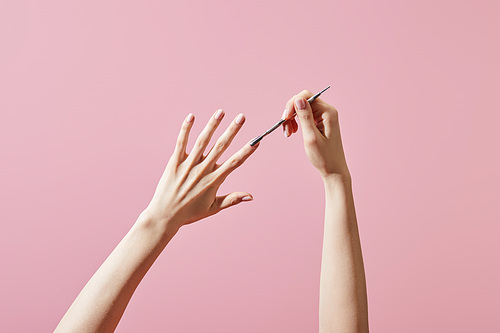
260, 137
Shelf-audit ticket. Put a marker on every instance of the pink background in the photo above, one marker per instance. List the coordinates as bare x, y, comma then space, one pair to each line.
92, 94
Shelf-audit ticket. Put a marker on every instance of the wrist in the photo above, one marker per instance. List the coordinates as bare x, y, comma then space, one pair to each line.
338, 192
335, 179
161, 227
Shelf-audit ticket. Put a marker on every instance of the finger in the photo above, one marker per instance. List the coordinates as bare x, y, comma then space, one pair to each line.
290, 126
295, 126
236, 160
182, 139
306, 118
289, 107
327, 117
286, 124
289, 110
225, 139
232, 199
205, 136
288, 114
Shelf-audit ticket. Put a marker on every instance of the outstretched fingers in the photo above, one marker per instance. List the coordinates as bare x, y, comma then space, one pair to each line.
225, 140
204, 138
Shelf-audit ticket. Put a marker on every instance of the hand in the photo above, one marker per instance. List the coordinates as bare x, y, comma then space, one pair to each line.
187, 189
321, 132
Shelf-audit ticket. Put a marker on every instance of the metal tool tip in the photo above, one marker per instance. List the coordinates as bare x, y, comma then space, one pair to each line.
256, 140
322, 91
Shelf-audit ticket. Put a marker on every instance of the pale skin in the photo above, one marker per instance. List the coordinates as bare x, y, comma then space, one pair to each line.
187, 192
343, 300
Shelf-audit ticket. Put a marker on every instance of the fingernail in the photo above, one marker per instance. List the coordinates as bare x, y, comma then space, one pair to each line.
300, 103
247, 198
219, 114
284, 115
240, 119
189, 118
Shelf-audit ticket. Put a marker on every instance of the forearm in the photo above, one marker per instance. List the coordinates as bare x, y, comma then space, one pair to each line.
343, 300
102, 301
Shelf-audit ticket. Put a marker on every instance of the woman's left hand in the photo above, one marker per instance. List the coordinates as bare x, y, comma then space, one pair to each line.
187, 190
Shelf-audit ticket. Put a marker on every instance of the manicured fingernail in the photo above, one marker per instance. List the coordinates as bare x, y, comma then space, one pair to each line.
247, 198
284, 115
218, 115
240, 119
300, 103
189, 118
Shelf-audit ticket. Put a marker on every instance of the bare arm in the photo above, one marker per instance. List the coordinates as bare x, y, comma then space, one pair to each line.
101, 303
186, 193
343, 299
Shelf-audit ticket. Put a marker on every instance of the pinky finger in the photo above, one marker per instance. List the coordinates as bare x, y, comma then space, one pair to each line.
182, 139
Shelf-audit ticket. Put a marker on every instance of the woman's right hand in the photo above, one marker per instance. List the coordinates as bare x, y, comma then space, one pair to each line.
321, 133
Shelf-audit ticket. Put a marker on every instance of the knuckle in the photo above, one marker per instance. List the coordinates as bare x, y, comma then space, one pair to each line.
234, 163
311, 140
220, 146
335, 113
305, 92
291, 100
332, 113
197, 173
233, 201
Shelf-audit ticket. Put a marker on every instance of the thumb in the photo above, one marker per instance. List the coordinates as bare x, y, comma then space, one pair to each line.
231, 199
306, 118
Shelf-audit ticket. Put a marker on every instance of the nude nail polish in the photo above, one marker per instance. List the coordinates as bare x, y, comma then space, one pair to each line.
219, 114
240, 119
